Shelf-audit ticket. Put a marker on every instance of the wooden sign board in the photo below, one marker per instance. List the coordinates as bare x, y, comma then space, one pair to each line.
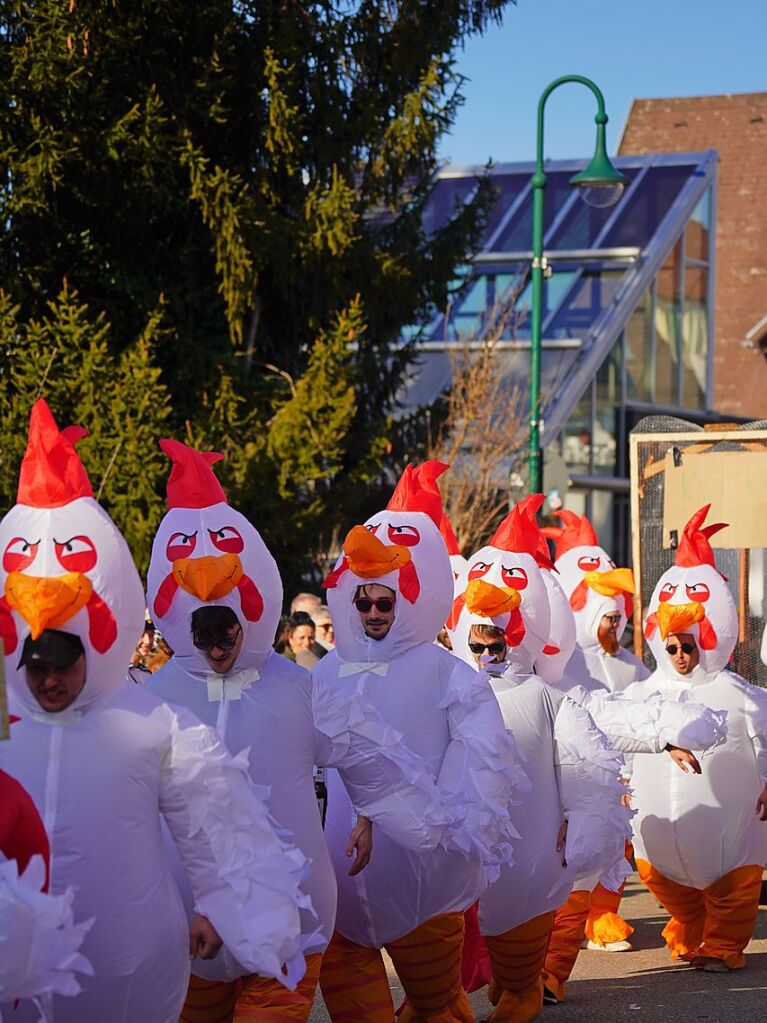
734, 483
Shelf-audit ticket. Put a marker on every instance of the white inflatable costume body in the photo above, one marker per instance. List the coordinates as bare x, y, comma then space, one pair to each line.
109, 767
413, 697
573, 772
699, 844
694, 829
594, 587
207, 553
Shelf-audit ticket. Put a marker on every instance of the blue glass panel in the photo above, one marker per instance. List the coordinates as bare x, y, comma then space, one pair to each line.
641, 216
593, 293
583, 223
445, 200
518, 235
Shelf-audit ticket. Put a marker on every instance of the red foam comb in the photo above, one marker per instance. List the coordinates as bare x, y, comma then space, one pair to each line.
694, 547
51, 472
417, 490
577, 531
519, 531
448, 535
192, 483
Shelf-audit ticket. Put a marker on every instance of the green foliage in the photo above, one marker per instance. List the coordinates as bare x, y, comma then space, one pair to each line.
212, 223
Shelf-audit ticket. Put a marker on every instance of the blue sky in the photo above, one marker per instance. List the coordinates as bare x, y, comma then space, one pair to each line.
631, 48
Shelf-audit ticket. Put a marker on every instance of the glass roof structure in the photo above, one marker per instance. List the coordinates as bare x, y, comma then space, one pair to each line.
628, 298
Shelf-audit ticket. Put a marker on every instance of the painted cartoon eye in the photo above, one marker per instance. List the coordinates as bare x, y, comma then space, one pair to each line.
404, 536
19, 554
698, 592
589, 563
372, 527
667, 592
77, 554
180, 545
514, 577
479, 569
227, 539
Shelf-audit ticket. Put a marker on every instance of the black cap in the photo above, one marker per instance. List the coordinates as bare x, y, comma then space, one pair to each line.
59, 649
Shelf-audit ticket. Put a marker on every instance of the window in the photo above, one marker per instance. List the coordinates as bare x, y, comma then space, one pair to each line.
668, 311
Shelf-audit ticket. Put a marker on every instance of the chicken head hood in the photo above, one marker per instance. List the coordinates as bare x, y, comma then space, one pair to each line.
400, 547
65, 565
205, 552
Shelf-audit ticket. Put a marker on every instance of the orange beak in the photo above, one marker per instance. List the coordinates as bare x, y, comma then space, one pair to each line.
610, 584
488, 600
208, 578
674, 618
369, 558
47, 602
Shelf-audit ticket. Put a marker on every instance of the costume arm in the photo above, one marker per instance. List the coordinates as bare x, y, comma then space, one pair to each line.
482, 768
591, 797
639, 722
245, 880
756, 714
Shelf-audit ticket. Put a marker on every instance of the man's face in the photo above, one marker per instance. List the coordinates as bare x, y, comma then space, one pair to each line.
607, 634
682, 651
53, 687
325, 633
375, 605
221, 656
486, 648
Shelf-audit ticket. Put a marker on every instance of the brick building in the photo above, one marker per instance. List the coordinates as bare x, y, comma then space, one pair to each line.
736, 127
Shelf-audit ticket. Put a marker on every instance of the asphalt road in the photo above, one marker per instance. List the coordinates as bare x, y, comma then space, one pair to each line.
644, 986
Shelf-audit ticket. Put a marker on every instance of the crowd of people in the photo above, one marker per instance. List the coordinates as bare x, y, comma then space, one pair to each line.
162, 855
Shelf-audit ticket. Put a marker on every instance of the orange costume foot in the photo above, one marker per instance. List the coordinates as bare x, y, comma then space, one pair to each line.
517, 959
603, 925
715, 922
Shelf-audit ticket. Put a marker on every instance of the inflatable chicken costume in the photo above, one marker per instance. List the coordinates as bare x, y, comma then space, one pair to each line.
114, 762
595, 588
416, 700
572, 770
700, 846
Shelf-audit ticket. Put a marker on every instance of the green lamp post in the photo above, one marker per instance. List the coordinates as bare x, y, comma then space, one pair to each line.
601, 185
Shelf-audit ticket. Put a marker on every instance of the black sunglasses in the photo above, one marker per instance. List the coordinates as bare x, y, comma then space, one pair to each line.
492, 648
674, 649
223, 644
383, 604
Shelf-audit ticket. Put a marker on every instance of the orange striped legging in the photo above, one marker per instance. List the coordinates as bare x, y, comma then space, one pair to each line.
517, 959
251, 999
716, 922
428, 963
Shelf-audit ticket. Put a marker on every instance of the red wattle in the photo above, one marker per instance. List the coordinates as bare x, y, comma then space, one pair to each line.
8, 632
629, 605
515, 630
409, 586
455, 612
165, 595
579, 596
251, 601
707, 635
650, 625
332, 578
102, 627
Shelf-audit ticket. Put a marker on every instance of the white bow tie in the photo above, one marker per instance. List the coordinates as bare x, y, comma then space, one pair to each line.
358, 667
62, 717
233, 685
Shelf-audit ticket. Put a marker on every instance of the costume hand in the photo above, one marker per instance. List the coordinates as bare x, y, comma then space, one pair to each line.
203, 938
761, 805
361, 839
561, 839
684, 757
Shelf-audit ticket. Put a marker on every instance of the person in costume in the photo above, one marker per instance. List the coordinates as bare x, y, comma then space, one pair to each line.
216, 592
108, 761
572, 821
701, 843
387, 679
39, 939
650, 725
600, 596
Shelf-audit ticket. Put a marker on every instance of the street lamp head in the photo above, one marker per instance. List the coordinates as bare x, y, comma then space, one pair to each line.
600, 183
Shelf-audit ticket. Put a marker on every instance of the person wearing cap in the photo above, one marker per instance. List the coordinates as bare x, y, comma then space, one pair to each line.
701, 842
387, 679
215, 591
109, 762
